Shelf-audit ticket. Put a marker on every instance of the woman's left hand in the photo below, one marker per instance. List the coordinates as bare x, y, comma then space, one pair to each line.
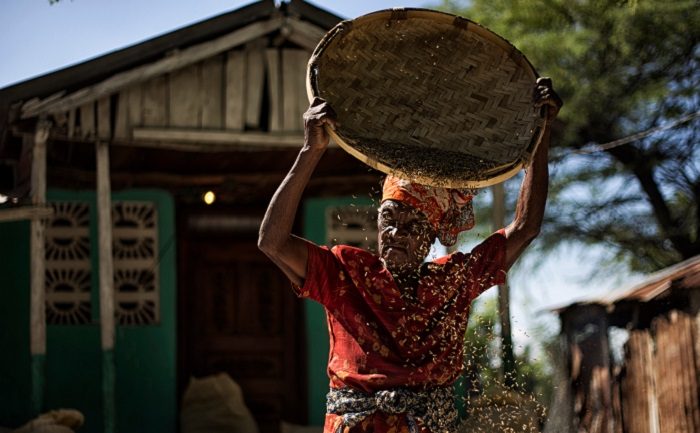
545, 96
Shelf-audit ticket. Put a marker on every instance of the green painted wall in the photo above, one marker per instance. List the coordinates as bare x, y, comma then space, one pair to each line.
73, 352
144, 356
315, 316
15, 362
73, 372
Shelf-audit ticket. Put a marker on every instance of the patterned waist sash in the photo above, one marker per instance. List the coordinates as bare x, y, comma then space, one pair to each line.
434, 407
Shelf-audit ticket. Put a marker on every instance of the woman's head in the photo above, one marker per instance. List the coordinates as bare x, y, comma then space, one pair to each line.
405, 236
412, 216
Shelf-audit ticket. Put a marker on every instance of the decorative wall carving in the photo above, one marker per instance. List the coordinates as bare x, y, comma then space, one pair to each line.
68, 266
67, 253
135, 252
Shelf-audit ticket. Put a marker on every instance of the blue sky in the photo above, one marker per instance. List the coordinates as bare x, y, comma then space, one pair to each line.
38, 38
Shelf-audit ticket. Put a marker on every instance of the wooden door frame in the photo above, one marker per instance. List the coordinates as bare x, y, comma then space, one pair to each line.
185, 239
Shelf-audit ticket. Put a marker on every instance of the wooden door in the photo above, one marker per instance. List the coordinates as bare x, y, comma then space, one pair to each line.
238, 315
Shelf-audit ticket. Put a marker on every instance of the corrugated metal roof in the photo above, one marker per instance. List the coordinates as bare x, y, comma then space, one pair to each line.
683, 275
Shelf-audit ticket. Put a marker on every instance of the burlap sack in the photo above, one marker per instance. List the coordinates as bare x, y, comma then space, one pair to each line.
55, 421
214, 404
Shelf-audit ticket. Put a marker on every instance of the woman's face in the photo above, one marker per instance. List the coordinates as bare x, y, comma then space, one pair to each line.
405, 236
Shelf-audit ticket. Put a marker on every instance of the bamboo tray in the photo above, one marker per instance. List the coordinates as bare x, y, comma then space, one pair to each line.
428, 96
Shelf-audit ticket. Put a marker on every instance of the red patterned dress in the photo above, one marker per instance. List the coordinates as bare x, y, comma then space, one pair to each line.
380, 339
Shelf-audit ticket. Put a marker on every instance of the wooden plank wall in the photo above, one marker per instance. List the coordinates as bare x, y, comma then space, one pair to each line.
638, 398
676, 374
659, 380
250, 88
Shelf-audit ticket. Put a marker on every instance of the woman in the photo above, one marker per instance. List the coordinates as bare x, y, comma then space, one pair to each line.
396, 323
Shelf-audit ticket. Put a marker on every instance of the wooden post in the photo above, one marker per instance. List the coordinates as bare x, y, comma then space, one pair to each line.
106, 272
585, 327
560, 413
37, 312
498, 221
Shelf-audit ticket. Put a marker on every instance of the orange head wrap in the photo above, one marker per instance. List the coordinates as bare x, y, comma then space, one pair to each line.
448, 210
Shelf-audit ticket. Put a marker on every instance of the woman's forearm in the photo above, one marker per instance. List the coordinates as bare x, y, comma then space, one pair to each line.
276, 226
529, 211
289, 252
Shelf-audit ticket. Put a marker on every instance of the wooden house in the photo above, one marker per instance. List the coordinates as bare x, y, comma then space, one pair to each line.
119, 282
655, 386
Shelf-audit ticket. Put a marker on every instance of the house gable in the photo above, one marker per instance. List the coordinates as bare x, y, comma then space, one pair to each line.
252, 79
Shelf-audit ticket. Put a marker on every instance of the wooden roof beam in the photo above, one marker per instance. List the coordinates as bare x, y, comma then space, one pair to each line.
206, 180
212, 140
303, 33
25, 213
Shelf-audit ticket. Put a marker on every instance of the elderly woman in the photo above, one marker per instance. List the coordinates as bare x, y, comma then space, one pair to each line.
396, 322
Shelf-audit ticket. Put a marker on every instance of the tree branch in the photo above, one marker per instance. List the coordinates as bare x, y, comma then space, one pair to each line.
633, 160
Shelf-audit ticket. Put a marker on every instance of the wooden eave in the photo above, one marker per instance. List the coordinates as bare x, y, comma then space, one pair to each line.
84, 74
315, 15
303, 34
94, 70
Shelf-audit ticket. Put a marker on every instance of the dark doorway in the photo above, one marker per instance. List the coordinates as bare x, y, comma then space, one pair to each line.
238, 314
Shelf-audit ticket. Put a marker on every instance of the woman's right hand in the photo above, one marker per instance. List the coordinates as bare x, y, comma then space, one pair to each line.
320, 113
545, 96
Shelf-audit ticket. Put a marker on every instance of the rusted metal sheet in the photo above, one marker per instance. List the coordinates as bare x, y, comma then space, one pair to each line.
684, 275
660, 282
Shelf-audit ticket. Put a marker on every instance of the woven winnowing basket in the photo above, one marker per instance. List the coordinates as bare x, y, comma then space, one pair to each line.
428, 96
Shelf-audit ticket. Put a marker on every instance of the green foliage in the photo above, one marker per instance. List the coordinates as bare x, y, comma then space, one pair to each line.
621, 67
482, 358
